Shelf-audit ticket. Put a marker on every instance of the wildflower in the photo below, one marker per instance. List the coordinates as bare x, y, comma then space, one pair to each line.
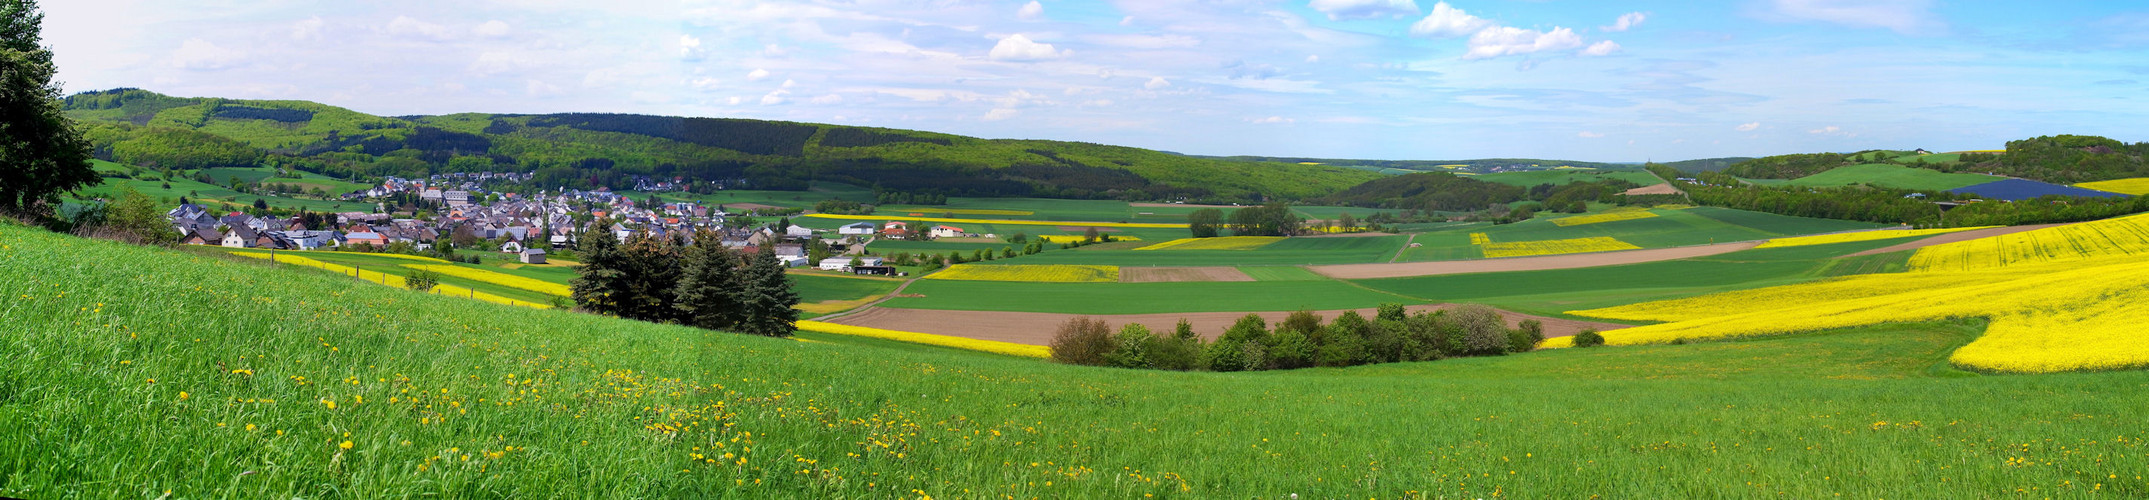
182, 395
243, 371
345, 445
331, 404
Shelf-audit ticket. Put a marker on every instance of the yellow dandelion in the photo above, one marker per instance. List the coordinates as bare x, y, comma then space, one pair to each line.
331, 404
182, 395
345, 445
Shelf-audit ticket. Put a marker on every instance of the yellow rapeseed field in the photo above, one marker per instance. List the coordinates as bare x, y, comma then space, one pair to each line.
1611, 216
1008, 348
1556, 247
1479, 239
502, 279
1030, 273
2136, 186
389, 279
1220, 243
1824, 239
2058, 299
944, 220
2105, 238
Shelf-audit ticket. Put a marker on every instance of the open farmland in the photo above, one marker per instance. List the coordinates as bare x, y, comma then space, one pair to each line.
1664, 228
2135, 186
1894, 176
543, 405
2125, 236
1029, 273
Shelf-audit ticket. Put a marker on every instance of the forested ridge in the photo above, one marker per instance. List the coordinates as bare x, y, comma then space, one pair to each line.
587, 150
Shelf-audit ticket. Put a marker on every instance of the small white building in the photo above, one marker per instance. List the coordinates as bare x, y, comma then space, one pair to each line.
797, 231
843, 263
948, 232
859, 229
794, 260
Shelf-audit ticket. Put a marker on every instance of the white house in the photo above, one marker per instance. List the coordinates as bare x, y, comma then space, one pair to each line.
239, 237
843, 263
859, 229
948, 232
796, 231
794, 260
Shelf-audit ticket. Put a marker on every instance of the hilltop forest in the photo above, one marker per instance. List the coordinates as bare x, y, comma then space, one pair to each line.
587, 151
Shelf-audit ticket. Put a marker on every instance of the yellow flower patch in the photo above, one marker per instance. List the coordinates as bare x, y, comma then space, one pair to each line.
2136, 186
1824, 239
1221, 243
1030, 273
1008, 348
1072, 238
1612, 216
1555, 247
2124, 236
502, 279
390, 279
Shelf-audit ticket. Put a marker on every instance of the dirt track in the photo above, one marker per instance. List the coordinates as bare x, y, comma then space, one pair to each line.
1177, 274
1953, 237
1665, 188
1037, 328
1409, 269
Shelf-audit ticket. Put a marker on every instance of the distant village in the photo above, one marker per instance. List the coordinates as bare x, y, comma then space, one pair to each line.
527, 227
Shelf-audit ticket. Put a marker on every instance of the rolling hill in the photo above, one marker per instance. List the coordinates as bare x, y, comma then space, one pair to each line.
139, 127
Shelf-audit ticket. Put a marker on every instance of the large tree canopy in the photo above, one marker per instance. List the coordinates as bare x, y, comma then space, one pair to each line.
41, 154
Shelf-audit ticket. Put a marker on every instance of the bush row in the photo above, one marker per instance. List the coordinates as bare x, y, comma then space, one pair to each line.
1299, 341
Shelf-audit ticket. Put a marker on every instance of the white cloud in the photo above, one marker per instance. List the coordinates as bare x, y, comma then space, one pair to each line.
1144, 41
705, 84
492, 29
734, 100
493, 63
1031, 11
690, 48
1627, 21
998, 114
1126, 21
1157, 83
199, 54
1313, 58
775, 98
1019, 48
1364, 9
308, 29
1448, 22
1504, 41
1903, 16
1748, 127
788, 83
757, 74
541, 89
404, 26
827, 99
1832, 130
1603, 48
1270, 120
1589, 135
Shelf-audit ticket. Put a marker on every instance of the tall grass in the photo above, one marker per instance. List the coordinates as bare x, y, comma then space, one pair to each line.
130, 372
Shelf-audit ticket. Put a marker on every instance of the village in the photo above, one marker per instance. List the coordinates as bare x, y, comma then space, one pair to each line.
456, 214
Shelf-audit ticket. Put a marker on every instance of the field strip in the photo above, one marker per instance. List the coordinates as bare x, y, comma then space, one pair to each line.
1406, 248
1954, 237
1413, 269
1008, 348
1038, 328
1134, 225
1867, 235
1181, 274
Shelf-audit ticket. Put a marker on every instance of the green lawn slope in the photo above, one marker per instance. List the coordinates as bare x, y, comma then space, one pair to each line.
1894, 176
132, 372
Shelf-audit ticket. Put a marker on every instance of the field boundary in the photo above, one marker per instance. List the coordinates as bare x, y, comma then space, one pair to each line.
1032, 328
1535, 263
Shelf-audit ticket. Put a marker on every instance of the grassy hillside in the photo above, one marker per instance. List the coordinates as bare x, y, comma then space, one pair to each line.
1894, 176
585, 150
137, 372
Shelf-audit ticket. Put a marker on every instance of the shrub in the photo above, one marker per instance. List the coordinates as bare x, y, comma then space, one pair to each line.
1302, 321
1526, 338
1390, 311
1383, 342
1426, 337
1483, 332
1225, 355
1290, 350
1130, 347
1174, 352
1082, 341
422, 280
1588, 338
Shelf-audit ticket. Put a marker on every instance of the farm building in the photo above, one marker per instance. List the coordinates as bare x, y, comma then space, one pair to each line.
376, 239
859, 229
844, 263
792, 260
874, 270
948, 232
797, 231
533, 256
895, 229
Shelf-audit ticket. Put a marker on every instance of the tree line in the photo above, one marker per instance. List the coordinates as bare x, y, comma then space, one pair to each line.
1301, 341
704, 285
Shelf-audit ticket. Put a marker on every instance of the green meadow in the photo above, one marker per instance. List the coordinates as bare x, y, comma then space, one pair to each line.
1893, 176
135, 372
1669, 228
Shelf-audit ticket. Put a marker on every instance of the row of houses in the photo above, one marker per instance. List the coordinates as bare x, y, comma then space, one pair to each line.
899, 230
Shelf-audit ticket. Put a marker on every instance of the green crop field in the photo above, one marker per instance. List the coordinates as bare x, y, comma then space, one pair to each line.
1893, 176
141, 372
210, 195
1553, 292
1670, 228
1288, 252
370, 263
814, 288
1563, 177
1282, 273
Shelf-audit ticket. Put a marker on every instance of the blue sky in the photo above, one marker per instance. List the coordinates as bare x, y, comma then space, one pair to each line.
1390, 79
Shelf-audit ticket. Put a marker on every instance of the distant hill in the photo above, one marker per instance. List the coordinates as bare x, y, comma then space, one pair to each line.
2061, 159
1706, 164
579, 150
1483, 165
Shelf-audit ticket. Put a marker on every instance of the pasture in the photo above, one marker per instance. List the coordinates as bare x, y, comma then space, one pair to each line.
314, 390
1563, 177
1894, 176
1664, 228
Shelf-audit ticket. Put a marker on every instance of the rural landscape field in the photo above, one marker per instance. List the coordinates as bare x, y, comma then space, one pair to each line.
797, 251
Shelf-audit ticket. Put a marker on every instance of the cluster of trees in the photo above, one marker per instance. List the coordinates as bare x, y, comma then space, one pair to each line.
702, 285
1274, 219
745, 136
182, 149
1427, 191
1791, 166
843, 207
847, 137
2062, 159
41, 153
909, 198
1895, 206
1299, 341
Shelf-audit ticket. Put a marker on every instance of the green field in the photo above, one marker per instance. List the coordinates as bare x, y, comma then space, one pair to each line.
1893, 176
370, 263
1137, 298
1288, 252
1282, 273
211, 196
1553, 292
1670, 228
154, 372
1564, 177
815, 288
